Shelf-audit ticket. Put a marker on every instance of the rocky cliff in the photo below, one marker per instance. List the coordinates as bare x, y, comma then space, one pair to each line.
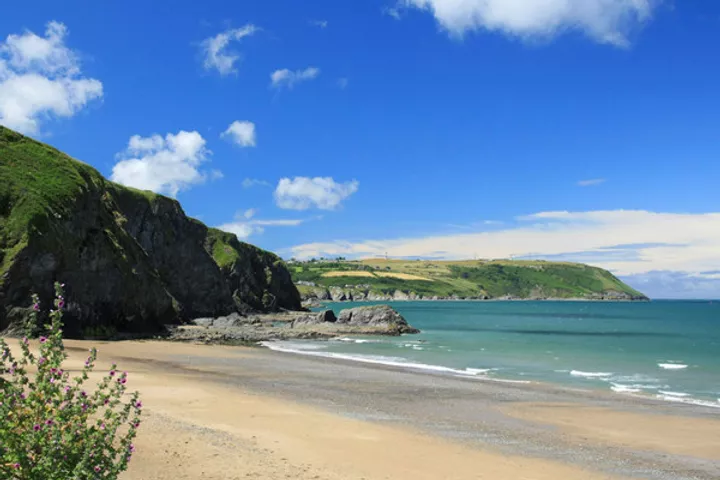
312, 295
132, 260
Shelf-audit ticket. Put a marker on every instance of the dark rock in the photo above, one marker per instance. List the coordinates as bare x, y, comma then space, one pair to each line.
232, 320
337, 294
203, 322
317, 318
381, 316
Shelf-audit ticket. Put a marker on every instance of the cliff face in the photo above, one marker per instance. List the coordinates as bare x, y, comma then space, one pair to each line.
132, 261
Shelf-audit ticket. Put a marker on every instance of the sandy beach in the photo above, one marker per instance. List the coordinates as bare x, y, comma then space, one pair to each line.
215, 412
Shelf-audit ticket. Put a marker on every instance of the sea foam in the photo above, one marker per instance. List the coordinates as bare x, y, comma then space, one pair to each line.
290, 347
579, 373
672, 366
353, 340
619, 388
674, 394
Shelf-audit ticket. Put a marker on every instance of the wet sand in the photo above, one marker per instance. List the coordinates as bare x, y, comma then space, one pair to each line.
217, 412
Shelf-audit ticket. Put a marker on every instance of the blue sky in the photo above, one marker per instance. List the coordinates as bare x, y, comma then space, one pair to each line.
581, 131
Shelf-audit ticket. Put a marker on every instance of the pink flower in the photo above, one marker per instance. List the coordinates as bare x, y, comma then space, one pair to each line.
36, 307
138, 404
97, 468
16, 466
43, 339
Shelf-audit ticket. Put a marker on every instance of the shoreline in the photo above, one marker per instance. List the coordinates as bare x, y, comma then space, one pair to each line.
482, 375
484, 300
494, 429
218, 412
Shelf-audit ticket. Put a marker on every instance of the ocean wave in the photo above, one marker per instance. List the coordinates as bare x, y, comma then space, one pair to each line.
688, 400
302, 346
619, 388
382, 360
674, 394
636, 378
667, 396
579, 373
672, 366
353, 340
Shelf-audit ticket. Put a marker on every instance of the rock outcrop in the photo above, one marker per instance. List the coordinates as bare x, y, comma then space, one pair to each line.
380, 316
132, 260
339, 294
319, 318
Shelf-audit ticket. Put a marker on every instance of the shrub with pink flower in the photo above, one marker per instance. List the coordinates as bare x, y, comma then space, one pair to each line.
51, 428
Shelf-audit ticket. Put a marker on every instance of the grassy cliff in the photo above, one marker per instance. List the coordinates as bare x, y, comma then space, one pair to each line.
467, 279
132, 259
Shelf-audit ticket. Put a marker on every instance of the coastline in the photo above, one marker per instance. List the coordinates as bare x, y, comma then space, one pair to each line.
322, 303
264, 414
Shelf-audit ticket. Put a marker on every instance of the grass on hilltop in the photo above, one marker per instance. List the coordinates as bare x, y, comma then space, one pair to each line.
469, 278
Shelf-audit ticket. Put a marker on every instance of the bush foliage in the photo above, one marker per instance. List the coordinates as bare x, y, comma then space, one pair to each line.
54, 427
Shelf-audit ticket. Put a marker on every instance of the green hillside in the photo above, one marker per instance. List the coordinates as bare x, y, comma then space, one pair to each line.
469, 279
132, 259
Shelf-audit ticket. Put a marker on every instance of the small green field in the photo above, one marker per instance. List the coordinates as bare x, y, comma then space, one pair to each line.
469, 278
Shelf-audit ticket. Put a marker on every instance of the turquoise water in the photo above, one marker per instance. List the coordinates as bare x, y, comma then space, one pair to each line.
665, 349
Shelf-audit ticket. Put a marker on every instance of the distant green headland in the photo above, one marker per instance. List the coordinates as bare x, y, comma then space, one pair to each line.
381, 279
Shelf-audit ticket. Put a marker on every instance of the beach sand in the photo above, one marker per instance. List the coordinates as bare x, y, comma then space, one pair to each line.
215, 412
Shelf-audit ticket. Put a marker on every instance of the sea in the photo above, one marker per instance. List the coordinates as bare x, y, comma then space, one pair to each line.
669, 350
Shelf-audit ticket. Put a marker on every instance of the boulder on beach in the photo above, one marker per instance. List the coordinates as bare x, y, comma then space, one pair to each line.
315, 318
378, 316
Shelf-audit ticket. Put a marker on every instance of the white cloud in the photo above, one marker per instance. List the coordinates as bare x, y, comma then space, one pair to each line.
288, 78
624, 241
244, 226
591, 182
242, 133
163, 164
343, 83
40, 78
302, 193
393, 11
665, 284
319, 23
606, 21
241, 230
279, 223
217, 55
254, 182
